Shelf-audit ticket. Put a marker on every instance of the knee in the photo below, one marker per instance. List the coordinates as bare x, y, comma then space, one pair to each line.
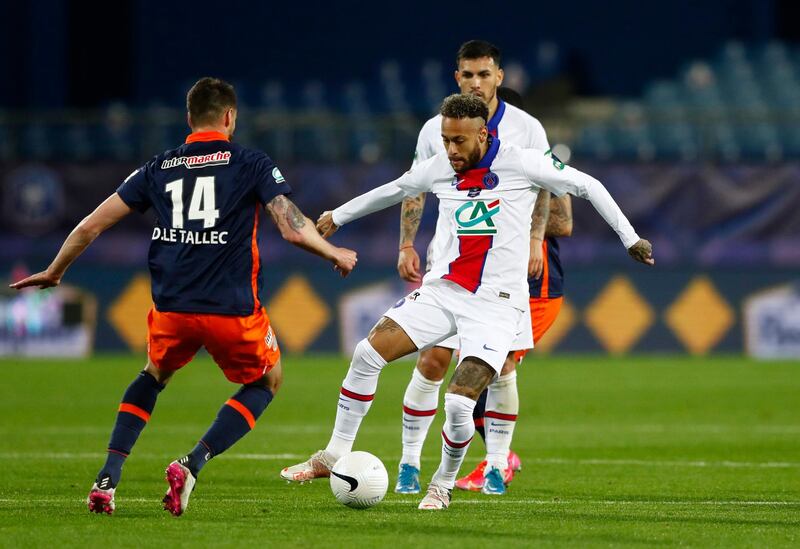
272, 380
433, 363
472, 376
160, 376
366, 359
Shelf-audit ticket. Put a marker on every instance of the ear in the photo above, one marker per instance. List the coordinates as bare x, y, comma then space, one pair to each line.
228, 120
457, 76
483, 134
500, 76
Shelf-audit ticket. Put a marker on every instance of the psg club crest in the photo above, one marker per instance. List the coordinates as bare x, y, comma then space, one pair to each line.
490, 181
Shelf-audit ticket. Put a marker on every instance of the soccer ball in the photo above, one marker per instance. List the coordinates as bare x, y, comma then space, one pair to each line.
359, 480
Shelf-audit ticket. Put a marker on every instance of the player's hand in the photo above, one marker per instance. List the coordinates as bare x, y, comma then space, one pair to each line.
408, 265
642, 252
344, 261
42, 280
536, 260
325, 225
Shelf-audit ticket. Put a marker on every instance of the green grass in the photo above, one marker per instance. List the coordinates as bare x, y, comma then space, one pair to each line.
616, 452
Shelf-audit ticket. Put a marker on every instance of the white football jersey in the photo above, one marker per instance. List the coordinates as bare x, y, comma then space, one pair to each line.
483, 230
511, 125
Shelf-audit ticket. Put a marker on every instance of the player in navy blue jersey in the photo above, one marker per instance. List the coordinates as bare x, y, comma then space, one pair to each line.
206, 280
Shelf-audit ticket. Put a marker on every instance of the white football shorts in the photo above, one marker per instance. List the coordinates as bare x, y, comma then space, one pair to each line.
483, 329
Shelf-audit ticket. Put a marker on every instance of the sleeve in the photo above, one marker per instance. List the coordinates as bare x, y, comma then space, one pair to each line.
411, 183
549, 173
133, 190
268, 180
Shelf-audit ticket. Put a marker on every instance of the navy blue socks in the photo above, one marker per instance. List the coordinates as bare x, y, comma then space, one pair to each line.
134, 413
235, 419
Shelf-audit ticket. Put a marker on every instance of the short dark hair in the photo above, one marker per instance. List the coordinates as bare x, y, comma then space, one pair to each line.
464, 106
208, 100
475, 49
510, 96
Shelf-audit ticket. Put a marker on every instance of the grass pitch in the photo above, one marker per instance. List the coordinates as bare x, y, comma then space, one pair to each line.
616, 452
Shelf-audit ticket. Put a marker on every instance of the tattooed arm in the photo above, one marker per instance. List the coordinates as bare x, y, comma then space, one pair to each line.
300, 231
560, 222
408, 259
541, 213
410, 216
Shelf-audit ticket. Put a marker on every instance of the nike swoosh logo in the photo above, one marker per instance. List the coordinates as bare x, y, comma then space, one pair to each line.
489, 348
350, 480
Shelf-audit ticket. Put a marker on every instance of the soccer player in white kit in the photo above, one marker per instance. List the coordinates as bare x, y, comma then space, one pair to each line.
478, 72
478, 290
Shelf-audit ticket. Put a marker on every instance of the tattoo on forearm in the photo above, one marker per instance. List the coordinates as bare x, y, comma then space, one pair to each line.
472, 376
410, 217
541, 213
284, 212
560, 221
295, 217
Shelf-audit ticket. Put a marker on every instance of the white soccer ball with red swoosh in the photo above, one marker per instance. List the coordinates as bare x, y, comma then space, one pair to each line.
359, 480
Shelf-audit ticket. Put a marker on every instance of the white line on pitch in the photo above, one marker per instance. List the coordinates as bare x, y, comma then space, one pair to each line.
542, 461
482, 501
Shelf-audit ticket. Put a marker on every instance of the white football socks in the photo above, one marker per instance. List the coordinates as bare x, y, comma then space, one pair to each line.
355, 398
502, 407
456, 436
419, 408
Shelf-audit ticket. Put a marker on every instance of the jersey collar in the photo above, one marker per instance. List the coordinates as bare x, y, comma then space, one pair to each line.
498, 116
491, 152
206, 136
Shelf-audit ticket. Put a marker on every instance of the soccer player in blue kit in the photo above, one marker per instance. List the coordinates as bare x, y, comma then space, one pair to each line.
206, 280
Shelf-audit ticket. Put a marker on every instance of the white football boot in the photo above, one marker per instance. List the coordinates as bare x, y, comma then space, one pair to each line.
319, 465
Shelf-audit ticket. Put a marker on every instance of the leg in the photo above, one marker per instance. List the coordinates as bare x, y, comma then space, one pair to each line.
503, 399
386, 342
134, 412
417, 321
472, 376
474, 481
419, 408
236, 418
246, 350
486, 334
171, 344
502, 408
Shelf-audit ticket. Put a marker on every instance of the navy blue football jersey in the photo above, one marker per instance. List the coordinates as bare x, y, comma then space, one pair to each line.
551, 283
206, 196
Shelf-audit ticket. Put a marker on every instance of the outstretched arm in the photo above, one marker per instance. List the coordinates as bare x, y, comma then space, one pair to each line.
299, 230
553, 175
408, 258
411, 183
103, 217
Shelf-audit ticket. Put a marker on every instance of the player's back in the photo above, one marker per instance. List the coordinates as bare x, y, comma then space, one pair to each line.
206, 196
